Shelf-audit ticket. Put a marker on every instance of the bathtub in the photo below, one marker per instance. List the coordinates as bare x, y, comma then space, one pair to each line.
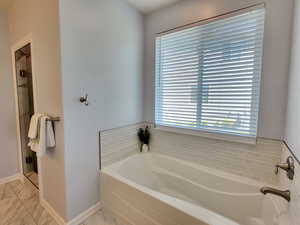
155, 189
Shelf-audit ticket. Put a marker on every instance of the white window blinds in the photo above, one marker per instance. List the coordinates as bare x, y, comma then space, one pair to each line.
208, 76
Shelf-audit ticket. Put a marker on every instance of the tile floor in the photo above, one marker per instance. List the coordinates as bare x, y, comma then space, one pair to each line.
33, 177
19, 205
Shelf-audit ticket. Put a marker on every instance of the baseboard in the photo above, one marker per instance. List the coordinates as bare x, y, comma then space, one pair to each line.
59, 220
10, 178
77, 220
83, 216
121, 217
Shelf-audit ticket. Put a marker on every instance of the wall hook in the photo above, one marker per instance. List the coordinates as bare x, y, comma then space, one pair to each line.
84, 100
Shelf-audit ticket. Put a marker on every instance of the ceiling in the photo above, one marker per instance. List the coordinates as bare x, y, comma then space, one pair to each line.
144, 6
147, 6
5, 3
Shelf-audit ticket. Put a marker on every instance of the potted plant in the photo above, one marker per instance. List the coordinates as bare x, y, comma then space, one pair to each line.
144, 137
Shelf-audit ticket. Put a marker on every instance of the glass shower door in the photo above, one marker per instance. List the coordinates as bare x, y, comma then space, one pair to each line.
26, 110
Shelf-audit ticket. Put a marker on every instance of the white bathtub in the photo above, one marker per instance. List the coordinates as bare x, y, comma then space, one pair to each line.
154, 189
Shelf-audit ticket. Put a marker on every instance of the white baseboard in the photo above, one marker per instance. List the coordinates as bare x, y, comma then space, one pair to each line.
59, 220
83, 216
10, 178
115, 214
77, 220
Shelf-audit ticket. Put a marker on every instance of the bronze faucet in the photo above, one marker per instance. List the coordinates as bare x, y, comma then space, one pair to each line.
289, 167
284, 194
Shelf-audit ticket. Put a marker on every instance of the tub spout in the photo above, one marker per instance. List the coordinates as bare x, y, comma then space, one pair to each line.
284, 194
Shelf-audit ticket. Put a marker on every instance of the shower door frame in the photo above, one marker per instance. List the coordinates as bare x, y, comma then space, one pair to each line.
28, 39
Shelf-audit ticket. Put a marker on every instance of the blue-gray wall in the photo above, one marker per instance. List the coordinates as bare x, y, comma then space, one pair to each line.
102, 55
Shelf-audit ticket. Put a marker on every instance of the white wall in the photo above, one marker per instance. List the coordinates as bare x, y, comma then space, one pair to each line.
293, 207
40, 18
101, 44
8, 135
275, 60
293, 108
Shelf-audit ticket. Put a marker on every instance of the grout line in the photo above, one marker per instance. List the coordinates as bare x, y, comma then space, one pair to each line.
2, 196
21, 201
293, 154
31, 182
49, 217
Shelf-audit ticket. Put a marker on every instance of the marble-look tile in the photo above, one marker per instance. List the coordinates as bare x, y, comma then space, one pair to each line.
12, 212
16, 185
9, 206
34, 178
99, 218
46, 219
26, 190
20, 205
6, 191
251, 161
24, 220
52, 222
35, 209
119, 143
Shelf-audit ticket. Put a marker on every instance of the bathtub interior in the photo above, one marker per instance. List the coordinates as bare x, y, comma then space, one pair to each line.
218, 192
144, 169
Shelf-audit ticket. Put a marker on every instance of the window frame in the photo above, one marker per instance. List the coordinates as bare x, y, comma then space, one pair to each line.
248, 139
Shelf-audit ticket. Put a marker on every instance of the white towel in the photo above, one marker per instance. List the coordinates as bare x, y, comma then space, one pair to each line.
45, 138
34, 126
42, 137
50, 140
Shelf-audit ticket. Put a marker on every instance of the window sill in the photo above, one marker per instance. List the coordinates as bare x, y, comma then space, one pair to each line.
210, 135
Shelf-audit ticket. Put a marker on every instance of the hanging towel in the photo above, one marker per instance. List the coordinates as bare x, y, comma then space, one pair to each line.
42, 137
50, 140
45, 136
34, 126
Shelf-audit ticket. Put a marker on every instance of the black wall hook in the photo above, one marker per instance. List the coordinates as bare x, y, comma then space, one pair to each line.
84, 100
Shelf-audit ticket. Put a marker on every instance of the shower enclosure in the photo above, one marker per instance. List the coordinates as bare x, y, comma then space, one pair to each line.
26, 110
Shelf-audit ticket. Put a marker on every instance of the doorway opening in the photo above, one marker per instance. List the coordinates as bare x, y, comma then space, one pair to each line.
24, 89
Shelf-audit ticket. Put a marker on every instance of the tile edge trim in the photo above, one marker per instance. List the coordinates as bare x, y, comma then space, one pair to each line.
291, 151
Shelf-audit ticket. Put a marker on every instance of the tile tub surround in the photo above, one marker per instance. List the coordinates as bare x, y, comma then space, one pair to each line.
119, 143
293, 186
252, 161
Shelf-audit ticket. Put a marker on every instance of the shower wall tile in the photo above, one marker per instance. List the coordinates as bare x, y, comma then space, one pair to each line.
293, 186
119, 143
23, 100
252, 161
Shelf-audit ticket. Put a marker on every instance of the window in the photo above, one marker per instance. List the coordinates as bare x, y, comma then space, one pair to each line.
208, 75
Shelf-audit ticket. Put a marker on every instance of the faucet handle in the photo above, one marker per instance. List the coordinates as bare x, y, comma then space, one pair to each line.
291, 163
276, 171
290, 174
288, 167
